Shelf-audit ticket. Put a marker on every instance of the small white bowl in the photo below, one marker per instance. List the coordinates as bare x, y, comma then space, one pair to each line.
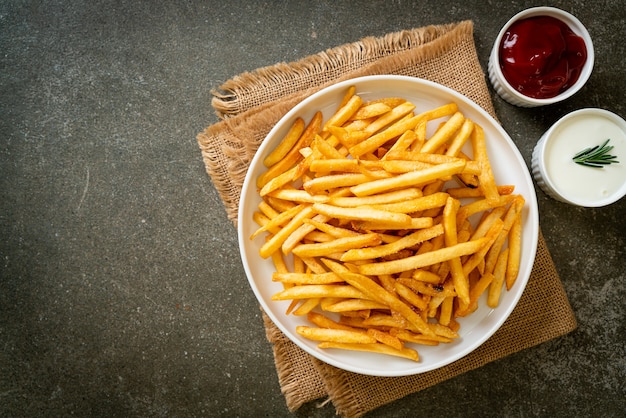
562, 179
504, 88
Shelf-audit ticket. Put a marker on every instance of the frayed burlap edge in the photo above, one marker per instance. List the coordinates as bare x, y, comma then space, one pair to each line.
250, 89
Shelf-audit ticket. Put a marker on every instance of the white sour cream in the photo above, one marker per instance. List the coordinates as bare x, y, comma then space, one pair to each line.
586, 186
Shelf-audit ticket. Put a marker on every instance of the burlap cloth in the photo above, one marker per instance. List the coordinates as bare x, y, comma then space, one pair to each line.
251, 103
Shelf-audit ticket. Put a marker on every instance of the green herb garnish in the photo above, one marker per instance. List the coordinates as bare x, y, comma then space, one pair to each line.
596, 156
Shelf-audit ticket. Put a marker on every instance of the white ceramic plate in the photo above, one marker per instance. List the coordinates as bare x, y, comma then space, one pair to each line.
508, 167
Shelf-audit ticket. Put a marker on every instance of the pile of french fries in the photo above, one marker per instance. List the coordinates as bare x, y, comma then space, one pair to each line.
381, 236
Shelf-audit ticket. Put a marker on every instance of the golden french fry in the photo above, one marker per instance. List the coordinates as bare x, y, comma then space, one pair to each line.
305, 307
319, 291
426, 276
460, 138
515, 251
306, 278
389, 118
286, 144
406, 352
487, 181
394, 247
298, 196
416, 223
422, 260
385, 338
495, 288
293, 156
379, 199
279, 220
411, 179
430, 201
443, 134
300, 232
370, 110
323, 321
363, 214
337, 245
468, 192
375, 141
335, 335
276, 241
347, 305
323, 183
410, 296
459, 278
344, 113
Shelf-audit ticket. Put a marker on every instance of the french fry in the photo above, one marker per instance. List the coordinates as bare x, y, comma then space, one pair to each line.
293, 156
515, 250
487, 181
306, 278
459, 278
495, 288
286, 144
423, 260
444, 133
363, 214
335, 335
319, 291
410, 179
337, 245
394, 247
406, 352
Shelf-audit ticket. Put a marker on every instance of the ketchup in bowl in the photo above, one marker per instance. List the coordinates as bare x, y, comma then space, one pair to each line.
541, 56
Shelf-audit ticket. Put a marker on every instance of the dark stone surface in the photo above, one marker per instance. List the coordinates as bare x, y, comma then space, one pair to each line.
121, 288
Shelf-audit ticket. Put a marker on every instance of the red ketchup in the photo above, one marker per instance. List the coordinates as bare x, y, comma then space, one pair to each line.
541, 57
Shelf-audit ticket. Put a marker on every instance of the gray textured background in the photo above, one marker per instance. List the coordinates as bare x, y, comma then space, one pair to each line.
121, 288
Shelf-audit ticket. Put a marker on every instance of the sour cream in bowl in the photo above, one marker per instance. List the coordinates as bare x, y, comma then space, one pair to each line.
557, 171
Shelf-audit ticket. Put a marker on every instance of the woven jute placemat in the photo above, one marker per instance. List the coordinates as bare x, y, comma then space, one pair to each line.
251, 103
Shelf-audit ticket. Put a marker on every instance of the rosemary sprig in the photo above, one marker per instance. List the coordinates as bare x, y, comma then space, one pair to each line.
597, 156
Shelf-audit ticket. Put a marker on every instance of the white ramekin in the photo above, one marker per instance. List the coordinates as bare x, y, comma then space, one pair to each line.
602, 121
511, 95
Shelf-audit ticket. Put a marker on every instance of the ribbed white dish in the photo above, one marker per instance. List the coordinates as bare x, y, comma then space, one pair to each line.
511, 95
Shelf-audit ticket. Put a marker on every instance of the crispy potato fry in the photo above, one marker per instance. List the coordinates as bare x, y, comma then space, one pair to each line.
335, 335
487, 182
347, 305
337, 245
406, 352
394, 247
495, 288
459, 278
444, 133
379, 199
410, 179
286, 144
306, 278
362, 223
515, 250
293, 156
317, 291
423, 260
323, 321
363, 214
